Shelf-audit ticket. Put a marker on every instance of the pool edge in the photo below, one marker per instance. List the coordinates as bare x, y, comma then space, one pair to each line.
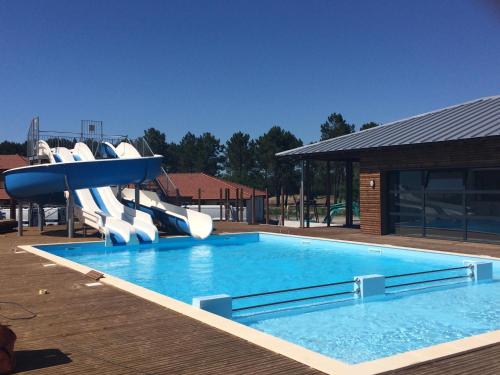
293, 351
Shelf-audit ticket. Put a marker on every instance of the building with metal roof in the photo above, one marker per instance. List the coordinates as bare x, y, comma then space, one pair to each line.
475, 119
436, 174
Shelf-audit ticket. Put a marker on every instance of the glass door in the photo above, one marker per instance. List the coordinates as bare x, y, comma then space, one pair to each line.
458, 204
444, 203
406, 201
483, 205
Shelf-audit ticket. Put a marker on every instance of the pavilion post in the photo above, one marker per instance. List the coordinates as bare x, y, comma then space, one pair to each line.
301, 198
348, 199
308, 194
282, 216
242, 204
226, 204
328, 193
267, 207
237, 205
220, 204
19, 218
253, 206
199, 199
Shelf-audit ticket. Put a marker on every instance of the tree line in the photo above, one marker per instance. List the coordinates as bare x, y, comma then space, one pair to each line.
243, 159
252, 161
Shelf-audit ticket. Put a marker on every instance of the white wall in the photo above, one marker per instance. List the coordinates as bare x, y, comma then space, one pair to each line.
214, 211
51, 215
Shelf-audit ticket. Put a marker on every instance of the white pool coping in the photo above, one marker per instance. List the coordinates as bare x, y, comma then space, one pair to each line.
296, 352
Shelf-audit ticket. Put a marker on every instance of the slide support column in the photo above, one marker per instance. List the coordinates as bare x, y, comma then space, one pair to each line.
137, 196
19, 218
70, 215
41, 217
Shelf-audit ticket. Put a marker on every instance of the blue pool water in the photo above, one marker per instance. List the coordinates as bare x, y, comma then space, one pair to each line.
350, 331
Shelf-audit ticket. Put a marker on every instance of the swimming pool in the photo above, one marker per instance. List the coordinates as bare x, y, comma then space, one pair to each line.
345, 328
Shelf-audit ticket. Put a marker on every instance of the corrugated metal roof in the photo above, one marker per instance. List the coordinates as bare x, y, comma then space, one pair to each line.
475, 119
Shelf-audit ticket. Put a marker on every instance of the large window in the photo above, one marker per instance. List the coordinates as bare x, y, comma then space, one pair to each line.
461, 204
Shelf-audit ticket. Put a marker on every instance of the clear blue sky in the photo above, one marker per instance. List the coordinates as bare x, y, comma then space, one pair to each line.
222, 66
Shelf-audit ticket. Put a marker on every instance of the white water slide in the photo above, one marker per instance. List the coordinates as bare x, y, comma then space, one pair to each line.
86, 209
194, 223
106, 200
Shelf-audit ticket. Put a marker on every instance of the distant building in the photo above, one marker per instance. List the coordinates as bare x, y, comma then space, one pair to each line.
9, 162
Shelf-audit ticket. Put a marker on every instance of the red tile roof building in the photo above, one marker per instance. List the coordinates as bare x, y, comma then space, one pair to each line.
9, 162
12, 161
189, 183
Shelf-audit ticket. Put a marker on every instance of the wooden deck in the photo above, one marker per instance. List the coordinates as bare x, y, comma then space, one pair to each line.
103, 330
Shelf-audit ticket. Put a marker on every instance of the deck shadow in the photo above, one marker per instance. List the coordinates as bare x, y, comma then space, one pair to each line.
28, 360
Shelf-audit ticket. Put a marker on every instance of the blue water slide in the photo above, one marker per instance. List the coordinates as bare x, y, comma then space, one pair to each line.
39, 182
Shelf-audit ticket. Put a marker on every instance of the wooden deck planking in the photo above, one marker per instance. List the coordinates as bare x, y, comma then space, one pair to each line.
103, 330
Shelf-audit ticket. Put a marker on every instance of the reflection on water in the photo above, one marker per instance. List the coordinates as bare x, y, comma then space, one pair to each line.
201, 266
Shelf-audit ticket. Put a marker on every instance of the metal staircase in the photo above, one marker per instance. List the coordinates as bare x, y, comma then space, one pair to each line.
165, 185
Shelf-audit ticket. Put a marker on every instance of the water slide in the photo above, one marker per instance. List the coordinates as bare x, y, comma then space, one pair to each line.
46, 182
88, 212
107, 202
193, 223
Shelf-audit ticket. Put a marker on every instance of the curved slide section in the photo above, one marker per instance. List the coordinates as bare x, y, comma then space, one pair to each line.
187, 221
109, 204
88, 212
36, 182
